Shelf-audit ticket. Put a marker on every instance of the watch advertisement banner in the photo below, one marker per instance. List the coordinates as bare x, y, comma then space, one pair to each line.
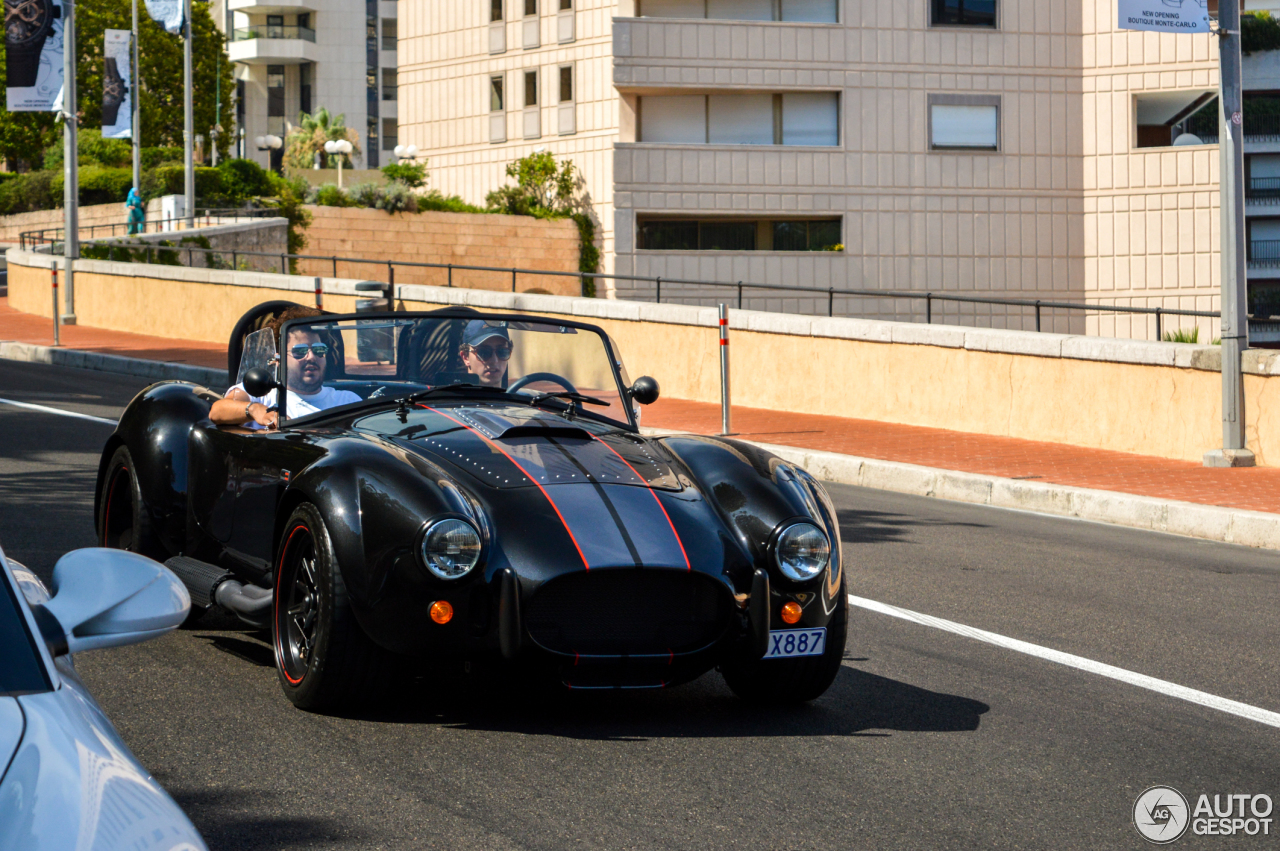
33, 54
166, 13
117, 86
1165, 16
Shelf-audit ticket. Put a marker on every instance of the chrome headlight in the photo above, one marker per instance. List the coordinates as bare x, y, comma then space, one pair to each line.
802, 551
451, 548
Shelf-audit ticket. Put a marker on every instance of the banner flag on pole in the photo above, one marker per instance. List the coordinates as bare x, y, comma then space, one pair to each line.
117, 86
33, 55
1165, 16
166, 13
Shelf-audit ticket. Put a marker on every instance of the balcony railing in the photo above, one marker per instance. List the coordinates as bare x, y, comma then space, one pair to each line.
1264, 253
1263, 191
269, 31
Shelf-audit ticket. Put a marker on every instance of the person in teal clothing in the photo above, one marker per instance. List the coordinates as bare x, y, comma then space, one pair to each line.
137, 212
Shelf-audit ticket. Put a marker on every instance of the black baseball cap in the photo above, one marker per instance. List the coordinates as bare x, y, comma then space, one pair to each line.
479, 330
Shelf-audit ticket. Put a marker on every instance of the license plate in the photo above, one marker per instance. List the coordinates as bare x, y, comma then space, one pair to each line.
786, 643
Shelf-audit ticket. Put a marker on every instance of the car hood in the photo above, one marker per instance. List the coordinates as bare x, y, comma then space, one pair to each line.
72, 783
510, 446
613, 492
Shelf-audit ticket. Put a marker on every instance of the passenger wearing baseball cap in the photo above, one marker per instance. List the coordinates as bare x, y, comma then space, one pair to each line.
485, 351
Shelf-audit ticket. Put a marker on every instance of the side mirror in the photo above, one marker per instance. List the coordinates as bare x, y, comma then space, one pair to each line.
109, 598
258, 382
645, 390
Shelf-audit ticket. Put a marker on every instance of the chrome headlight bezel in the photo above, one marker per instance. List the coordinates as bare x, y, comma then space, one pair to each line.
433, 553
800, 566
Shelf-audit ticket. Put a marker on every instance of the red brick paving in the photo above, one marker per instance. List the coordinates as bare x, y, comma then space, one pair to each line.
1256, 489
28, 328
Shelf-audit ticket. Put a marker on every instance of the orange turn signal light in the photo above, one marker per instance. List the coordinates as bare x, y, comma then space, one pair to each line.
791, 612
441, 612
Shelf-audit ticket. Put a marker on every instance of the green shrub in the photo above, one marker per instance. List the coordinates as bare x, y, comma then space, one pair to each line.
25, 193
171, 180
413, 175
244, 179
100, 185
7, 175
1259, 32
329, 195
93, 150
290, 195
365, 195
156, 157
1183, 335
397, 198
436, 202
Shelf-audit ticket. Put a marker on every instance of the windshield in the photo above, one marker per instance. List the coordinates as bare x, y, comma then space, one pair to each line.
331, 363
21, 670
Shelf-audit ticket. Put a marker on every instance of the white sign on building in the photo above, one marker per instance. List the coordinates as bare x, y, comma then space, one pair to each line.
1165, 16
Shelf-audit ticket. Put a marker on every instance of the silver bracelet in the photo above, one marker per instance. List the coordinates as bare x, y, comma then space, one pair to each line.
247, 414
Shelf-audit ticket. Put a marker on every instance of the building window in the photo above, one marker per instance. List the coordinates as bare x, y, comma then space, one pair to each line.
390, 33
388, 83
372, 62
803, 11
495, 11
964, 13
530, 8
793, 118
566, 112
304, 87
275, 26
566, 27
497, 110
964, 122
532, 26
390, 134
532, 115
1180, 118
666, 234
275, 100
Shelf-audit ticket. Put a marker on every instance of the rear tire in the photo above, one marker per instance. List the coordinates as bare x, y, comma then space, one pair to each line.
324, 660
786, 681
123, 521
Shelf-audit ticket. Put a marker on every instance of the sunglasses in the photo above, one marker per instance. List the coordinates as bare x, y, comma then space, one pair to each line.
487, 352
299, 352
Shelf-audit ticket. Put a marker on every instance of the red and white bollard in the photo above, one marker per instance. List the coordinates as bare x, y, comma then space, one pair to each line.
319, 295
56, 339
724, 370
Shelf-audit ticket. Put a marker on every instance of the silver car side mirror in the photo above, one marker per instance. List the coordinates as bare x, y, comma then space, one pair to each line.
110, 598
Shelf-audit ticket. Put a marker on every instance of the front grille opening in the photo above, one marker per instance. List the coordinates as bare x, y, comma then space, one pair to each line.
629, 612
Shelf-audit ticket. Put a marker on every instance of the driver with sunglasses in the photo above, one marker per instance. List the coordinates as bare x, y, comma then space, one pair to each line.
307, 358
485, 351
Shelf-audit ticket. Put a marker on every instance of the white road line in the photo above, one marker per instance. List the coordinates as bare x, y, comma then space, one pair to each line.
42, 409
1222, 704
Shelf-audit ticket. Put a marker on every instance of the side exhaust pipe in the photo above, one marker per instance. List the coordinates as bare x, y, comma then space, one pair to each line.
210, 585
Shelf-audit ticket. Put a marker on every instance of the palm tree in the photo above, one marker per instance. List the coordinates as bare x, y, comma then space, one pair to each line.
308, 138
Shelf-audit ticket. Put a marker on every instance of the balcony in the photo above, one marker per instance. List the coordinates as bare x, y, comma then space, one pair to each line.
273, 7
273, 45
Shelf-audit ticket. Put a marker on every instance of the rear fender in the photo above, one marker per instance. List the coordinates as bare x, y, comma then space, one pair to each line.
155, 427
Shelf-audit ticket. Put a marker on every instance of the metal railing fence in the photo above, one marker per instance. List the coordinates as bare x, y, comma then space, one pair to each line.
921, 304
50, 236
273, 31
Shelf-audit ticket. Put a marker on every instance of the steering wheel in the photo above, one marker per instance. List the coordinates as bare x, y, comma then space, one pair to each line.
526, 380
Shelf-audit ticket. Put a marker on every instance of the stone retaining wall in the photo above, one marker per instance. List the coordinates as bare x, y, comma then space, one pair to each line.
1160, 399
468, 238
11, 227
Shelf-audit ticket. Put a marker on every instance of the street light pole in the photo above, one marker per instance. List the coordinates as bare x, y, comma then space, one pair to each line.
188, 121
137, 110
1235, 322
71, 174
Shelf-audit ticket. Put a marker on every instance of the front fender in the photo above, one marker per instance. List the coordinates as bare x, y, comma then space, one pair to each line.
375, 499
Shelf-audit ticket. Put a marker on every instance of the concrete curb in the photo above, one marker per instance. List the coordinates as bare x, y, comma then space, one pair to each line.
1192, 520
214, 379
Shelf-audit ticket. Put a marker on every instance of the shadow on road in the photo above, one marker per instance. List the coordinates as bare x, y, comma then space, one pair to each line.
856, 703
873, 527
229, 819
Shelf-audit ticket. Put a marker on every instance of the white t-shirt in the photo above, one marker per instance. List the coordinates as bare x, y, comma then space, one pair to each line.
301, 405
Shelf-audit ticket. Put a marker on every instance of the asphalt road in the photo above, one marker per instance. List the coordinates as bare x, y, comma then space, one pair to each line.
927, 739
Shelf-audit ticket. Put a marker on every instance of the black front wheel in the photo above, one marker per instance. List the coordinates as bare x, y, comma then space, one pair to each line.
123, 520
323, 658
782, 681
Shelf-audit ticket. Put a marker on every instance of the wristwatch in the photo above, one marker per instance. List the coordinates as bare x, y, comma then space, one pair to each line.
247, 414
113, 92
27, 23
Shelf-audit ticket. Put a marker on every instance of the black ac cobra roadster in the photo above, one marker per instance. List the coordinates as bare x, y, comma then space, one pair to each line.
456, 485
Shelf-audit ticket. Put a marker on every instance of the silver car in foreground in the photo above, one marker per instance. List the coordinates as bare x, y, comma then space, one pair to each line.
67, 781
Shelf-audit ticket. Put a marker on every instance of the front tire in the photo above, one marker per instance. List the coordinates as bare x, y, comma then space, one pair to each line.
324, 660
786, 681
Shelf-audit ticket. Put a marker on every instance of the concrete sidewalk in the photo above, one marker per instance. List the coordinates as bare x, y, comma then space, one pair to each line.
1230, 505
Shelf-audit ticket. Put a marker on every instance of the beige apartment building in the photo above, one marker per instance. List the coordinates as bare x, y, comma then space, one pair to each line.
1001, 148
